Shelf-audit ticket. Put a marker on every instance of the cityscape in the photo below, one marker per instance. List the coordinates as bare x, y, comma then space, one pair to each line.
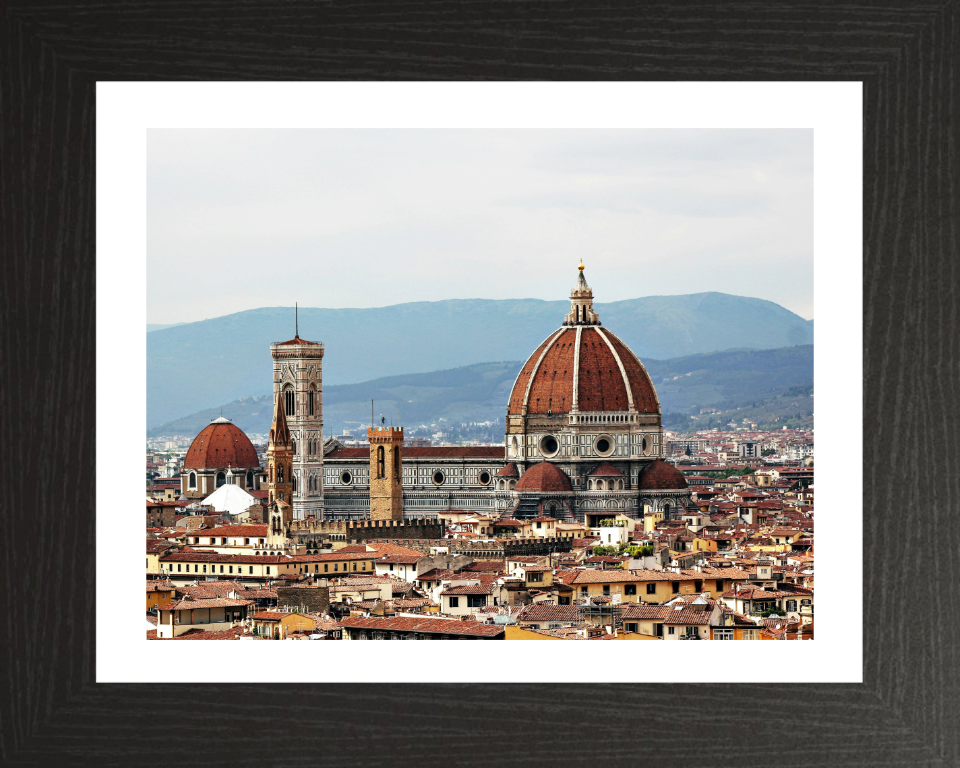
583, 512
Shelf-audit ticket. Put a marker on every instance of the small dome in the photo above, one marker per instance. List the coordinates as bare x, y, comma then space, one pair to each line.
509, 471
605, 469
544, 478
661, 476
219, 445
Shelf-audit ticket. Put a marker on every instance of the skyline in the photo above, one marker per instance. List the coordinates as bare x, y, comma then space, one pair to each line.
473, 214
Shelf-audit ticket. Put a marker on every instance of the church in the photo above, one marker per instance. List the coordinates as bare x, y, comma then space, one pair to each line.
583, 442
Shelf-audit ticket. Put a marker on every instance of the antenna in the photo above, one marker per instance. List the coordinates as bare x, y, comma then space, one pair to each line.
296, 320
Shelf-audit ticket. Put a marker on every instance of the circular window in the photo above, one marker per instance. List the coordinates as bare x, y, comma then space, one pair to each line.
549, 445
603, 445
438, 477
646, 447
484, 478
346, 478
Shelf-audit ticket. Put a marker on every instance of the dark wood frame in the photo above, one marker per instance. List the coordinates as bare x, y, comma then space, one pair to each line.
907, 710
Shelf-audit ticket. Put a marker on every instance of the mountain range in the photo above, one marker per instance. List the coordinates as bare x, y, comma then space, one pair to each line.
725, 381
194, 367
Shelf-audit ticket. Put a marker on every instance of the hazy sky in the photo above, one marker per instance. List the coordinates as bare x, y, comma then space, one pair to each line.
240, 219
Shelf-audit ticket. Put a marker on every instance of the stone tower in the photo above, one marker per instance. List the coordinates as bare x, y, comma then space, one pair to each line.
386, 473
279, 457
298, 382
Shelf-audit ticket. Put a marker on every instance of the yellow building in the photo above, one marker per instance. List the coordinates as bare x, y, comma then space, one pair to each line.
734, 626
536, 576
212, 614
277, 625
246, 539
704, 545
188, 566
654, 586
571, 530
544, 526
516, 632
158, 593
338, 563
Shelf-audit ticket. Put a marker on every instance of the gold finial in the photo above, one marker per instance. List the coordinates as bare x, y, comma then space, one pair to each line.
581, 265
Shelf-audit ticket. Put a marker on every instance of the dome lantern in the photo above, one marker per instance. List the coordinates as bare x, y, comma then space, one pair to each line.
581, 303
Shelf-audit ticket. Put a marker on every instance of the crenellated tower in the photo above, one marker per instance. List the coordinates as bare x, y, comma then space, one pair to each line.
386, 473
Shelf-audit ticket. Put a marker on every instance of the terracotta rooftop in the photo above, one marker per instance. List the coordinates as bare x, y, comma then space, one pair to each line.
221, 444
660, 476
544, 478
469, 589
424, 625
252, 530
545, 382
297, 341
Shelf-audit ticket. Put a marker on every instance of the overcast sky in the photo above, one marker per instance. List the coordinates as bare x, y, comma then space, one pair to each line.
240, 219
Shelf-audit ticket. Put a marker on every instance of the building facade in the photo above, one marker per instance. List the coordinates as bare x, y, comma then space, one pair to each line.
583, 437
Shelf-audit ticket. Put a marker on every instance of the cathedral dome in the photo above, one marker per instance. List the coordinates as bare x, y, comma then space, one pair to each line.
582, 366
544, 478
221, 444
660, 476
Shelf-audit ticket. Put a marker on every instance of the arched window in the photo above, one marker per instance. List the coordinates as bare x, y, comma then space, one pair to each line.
310, 399
396, 463
280, 475
288, 399
293, 444
380, 468
192, 480
294, 481
249, 478
221, 479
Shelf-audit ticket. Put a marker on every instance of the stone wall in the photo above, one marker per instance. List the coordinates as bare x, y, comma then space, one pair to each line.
305, 599
316, 532
498, 549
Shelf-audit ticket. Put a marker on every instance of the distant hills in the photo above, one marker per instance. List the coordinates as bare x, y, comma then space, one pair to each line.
726, 381
193, 367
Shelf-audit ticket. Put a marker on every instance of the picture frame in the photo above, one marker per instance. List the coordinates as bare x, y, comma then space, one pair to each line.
905, 711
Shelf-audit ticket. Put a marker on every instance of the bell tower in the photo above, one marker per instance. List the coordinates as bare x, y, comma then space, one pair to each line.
298, 381
279, 457
386, 473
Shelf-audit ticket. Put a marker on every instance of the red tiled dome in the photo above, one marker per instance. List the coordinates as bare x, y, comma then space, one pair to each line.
220, 444
546, 381
544, 478
661, 476
605, 469
509, 471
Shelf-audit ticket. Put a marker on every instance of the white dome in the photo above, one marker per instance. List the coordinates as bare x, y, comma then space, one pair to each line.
231, 499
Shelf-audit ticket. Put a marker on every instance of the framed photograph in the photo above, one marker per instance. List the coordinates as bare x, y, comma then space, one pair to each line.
459, 192
570, 516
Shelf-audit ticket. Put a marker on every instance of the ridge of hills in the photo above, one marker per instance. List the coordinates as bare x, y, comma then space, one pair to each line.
194, 367
771, 387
